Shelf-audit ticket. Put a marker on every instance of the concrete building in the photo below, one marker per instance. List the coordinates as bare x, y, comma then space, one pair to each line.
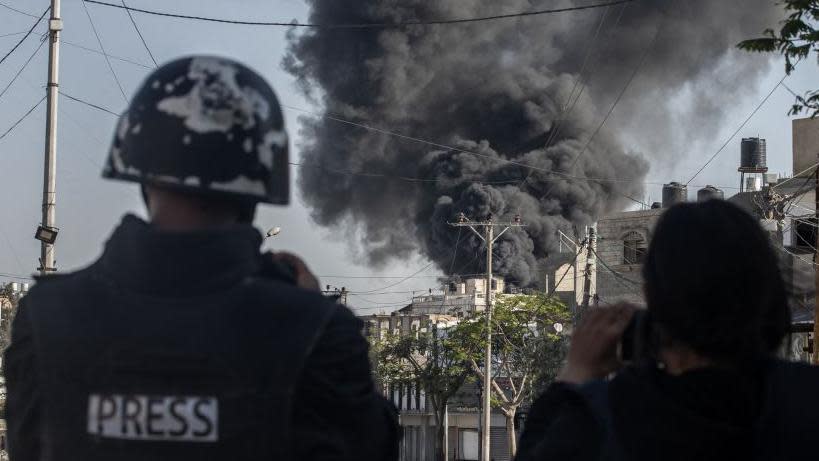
458, 298
415, 411
621, 247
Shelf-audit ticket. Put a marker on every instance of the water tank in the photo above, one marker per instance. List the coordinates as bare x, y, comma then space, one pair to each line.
674, 193
754, 154
708, 193
15, 287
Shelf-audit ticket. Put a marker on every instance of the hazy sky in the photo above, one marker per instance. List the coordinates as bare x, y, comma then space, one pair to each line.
88, 207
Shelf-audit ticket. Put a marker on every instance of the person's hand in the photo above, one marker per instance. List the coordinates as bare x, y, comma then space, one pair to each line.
304, 278
593, 351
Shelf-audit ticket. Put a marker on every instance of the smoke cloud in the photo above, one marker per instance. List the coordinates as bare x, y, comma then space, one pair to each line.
507, 90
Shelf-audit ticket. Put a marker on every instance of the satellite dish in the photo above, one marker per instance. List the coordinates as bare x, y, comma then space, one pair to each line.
274, 231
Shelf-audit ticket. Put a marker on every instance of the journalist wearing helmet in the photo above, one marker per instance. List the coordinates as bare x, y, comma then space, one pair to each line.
184, 341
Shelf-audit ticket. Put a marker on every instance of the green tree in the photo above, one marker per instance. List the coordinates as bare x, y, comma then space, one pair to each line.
796, 39
527, 350
430, 358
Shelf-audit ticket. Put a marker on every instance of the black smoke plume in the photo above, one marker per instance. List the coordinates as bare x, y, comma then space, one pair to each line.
531, 90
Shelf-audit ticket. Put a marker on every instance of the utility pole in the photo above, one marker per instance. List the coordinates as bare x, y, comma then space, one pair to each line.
47, 232
590, 266
488, 238
816, 274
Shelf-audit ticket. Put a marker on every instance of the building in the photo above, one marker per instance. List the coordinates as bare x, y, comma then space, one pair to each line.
621, 248
417, 419
458, 298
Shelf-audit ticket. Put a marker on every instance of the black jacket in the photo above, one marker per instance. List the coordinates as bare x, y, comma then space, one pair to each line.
645, 414
189, 335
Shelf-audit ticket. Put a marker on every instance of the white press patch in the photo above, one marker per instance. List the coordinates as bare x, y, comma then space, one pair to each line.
171, 418
241, 185
216, 102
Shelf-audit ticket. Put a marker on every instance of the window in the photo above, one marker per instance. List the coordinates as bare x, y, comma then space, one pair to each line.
634, 248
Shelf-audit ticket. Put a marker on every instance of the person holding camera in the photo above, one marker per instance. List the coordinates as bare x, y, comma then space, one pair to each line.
183, 341
703, 380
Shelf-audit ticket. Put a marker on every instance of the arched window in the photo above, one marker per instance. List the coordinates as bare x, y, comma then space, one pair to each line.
634, 248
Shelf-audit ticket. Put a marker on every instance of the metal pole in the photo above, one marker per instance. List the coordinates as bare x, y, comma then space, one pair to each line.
487, 377
590, 262
55, 25
816, 277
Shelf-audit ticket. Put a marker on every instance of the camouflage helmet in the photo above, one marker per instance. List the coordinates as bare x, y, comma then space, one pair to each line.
204, 124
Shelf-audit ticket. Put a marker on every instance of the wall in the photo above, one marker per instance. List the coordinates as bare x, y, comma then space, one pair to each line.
626, 284
805, 143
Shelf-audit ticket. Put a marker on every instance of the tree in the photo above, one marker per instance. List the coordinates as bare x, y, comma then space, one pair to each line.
527, 350
796, 39
430, 358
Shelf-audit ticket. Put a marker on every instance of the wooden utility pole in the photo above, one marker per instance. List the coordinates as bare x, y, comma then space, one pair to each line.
589, 273
488, 238
47, 232
816, 274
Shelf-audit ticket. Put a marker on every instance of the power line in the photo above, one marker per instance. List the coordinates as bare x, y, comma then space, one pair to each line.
22, 118
89, 104
25, 36
112, 56
15, 276
741, 126
12, 34
336, 118
13, 79
572, 99
102, 48
611, 110
17, 11
374, 25
400, 281
136, 28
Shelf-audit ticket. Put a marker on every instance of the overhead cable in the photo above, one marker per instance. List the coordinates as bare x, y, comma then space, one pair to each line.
22, 68
136, 28
24, 13
112, 56
20, 120
102, 48
372, 25
741, 126
25, 36
81, 101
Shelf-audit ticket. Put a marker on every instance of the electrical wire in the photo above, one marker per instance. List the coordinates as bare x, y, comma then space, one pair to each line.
13, 34
22, 118
382, 25
795, 176
25, 64
136, 28
105, 55
17, 11
741, 126
112, 56
400, 281
338, 119
611, 109
75, 99
572, 100
25, 36
15, 276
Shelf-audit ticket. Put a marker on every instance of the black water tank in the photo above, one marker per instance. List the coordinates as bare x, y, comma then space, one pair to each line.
754, 155
674, 193
708, 193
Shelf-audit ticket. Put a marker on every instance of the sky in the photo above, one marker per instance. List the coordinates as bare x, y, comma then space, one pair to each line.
89, 207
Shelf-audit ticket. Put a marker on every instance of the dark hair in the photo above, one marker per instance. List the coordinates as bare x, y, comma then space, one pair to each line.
712, 282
